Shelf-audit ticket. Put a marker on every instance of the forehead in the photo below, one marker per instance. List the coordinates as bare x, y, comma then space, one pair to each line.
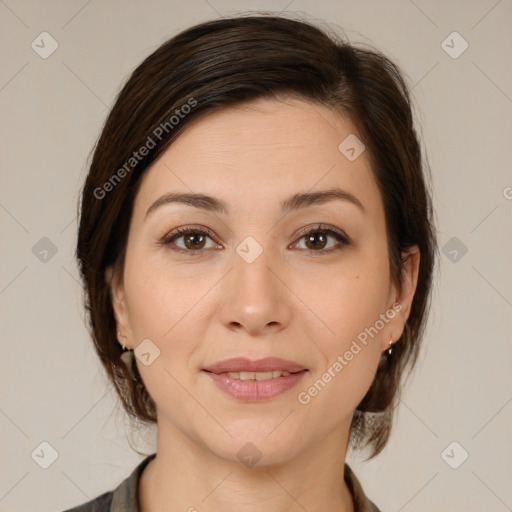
261, 152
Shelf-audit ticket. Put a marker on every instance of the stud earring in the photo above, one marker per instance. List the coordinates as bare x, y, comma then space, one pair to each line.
390, 349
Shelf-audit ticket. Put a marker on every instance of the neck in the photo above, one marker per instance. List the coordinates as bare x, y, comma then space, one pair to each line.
186, 475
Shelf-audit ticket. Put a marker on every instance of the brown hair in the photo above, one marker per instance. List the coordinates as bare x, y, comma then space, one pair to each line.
226, 62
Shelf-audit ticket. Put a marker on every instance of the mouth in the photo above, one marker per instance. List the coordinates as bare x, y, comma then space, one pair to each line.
255, 386
246, 375
255, 381
243, 368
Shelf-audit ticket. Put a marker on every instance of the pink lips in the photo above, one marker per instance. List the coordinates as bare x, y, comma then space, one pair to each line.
255, 390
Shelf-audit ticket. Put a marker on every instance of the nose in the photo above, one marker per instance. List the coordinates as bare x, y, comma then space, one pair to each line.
255, 298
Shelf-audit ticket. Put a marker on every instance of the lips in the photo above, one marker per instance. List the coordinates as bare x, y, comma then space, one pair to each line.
243, 364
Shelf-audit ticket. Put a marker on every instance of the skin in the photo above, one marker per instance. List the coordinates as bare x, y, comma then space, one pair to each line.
288, 303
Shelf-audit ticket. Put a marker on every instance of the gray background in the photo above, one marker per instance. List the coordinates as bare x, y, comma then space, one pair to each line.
53, 388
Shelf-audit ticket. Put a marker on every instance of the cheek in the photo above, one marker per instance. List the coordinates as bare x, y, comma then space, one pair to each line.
159, 297
160, 306
349, 298
349, 347
350, 306
164, 306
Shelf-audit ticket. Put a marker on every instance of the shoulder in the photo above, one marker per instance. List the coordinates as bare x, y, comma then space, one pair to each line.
124, 498
361, 502
100, 504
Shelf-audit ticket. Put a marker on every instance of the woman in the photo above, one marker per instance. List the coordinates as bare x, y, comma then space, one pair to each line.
257, 249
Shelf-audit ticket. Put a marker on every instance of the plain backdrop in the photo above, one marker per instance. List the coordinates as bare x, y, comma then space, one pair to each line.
52, 110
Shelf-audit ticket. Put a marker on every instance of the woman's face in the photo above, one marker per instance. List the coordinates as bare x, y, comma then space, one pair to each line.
249, 281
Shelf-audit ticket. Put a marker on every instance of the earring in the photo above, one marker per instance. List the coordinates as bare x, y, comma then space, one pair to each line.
127, 355
119, 335
390, 349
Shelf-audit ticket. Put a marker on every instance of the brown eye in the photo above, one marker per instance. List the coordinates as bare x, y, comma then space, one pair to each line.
317, 239
194, 240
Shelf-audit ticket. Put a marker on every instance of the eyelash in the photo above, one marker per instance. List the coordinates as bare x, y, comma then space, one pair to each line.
180, 232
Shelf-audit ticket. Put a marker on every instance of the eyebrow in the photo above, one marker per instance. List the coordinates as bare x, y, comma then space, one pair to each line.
295, 202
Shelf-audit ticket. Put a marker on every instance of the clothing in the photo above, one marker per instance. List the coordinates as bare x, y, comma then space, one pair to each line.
125, 497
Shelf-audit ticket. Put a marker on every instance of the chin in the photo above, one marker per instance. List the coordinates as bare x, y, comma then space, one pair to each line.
256, 443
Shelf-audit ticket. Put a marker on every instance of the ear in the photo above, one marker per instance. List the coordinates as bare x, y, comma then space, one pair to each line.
114, 280
404, 296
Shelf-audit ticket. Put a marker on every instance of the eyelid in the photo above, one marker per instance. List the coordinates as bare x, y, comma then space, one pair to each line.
324, 228
342, 239
189, 227
184, 230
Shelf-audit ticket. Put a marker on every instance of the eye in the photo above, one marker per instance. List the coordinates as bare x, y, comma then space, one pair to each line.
194, 239
316, 239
